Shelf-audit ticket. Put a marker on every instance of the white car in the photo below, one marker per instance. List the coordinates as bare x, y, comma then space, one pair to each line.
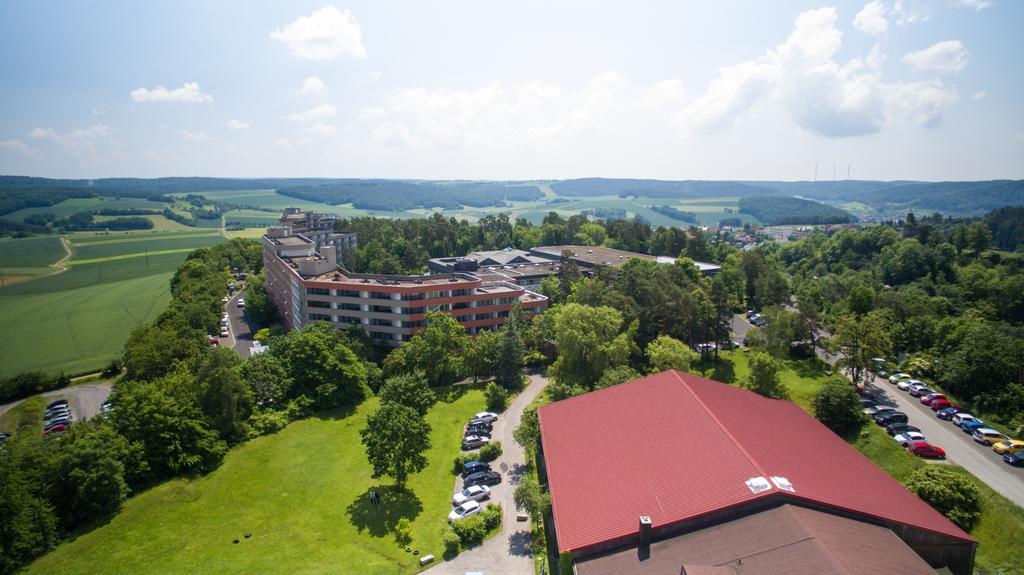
474, 441
240, 302
486, 416
959, 419
465, 510
224, 331
896, 377
908, 383
471, 493
905, 438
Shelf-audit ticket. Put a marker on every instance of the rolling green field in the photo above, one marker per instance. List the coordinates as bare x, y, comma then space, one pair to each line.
70, 206
302, 493
78, 320
23, 259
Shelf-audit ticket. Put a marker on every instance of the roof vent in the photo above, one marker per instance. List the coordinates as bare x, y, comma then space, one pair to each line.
645, 530
758, 484
783, 483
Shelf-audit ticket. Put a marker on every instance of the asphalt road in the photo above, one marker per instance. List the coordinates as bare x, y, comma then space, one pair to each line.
240, 339
979, 459
85, 399
509, 551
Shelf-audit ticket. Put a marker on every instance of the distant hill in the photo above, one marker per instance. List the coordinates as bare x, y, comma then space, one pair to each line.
657, 188
395, 196
782, 210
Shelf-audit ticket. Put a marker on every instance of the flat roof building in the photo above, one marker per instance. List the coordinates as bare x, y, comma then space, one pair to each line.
674, 473
306, 285
593, 256
516, 266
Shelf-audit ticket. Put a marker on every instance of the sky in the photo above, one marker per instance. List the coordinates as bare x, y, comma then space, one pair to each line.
747, 90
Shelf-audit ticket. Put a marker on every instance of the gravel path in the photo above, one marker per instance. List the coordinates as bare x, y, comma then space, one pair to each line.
508, 552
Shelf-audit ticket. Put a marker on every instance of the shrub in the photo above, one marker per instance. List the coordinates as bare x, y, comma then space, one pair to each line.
497, 397
29, 383
471, 530
491, 516
451, 540
491, 451
837, 406
950, 493
403, 531
565, 563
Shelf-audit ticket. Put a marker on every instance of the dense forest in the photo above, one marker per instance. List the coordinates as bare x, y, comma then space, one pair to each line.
676, 214
781, 210
394, 195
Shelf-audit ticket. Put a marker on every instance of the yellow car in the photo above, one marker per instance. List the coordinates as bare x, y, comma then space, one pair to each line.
1008, 446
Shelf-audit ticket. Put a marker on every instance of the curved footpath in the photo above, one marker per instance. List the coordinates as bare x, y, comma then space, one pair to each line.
508, 552
979, 459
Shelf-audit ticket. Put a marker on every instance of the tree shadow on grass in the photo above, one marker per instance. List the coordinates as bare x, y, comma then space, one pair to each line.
809, 368
380, 519
335, 413
724, 371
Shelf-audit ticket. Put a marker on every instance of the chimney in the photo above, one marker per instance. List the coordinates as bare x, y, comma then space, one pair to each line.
330, 253
645, 531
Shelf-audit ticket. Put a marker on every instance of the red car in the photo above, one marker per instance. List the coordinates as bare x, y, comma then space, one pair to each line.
928, 399
941, 403
925, 449
55, 429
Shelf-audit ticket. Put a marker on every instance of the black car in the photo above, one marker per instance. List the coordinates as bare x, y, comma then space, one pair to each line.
4, 435
888, 417
480, 423
471, 467
56, 403
1015, 459
482, 478
897, 428
949, 412
476, 431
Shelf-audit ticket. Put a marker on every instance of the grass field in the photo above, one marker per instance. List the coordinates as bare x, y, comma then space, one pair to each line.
302, 493
24, 258
79, 320
68, 207
1002, 522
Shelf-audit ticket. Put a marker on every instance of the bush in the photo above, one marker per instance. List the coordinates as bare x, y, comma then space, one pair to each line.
491, 516
565, 563
949, 492
451, 541
403, 531
491, 451
471, 530
497, 397
838, 406
29, 383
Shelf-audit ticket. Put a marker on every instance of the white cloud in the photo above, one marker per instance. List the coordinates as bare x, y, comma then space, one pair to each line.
79, 142
323, 35
321, 112
979, 95
946, 57
193, 136
978, 5
374, 113
188, 93
320, 131
664, 92
238, 125
911, 11
392, 134
17, 146
312, 85
820, 94
871, 19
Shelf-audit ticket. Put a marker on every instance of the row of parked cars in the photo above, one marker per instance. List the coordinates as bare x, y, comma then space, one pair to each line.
57, 417
477, 476
1011, 450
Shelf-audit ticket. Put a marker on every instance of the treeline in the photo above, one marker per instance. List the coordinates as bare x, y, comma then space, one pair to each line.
585, 187
780, 210
676, 214
85, 221
1007, 227
396, 195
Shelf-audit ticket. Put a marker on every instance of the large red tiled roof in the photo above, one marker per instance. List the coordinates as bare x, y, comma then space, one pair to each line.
676, 446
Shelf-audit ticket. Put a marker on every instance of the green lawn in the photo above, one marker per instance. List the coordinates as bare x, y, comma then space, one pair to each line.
73, 205
1002, 522
302, 493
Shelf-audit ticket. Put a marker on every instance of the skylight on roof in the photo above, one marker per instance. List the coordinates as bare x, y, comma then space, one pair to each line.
758, 484
783, 484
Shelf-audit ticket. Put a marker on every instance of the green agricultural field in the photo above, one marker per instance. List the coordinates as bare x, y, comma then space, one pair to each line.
302, 493
23, 258
79, 320
73, 205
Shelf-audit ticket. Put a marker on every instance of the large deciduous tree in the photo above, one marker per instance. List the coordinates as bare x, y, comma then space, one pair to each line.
666, 353
396, 438
589, 342
859, 339
321, 366
409, 389
764, 376
438, 349
838, 406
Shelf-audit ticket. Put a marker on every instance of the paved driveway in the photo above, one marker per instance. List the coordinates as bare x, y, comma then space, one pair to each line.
979, 459
240, 339
85, 399
509, 551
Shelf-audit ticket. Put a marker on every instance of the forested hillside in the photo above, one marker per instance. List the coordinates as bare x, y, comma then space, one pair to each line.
780, 210
395, 195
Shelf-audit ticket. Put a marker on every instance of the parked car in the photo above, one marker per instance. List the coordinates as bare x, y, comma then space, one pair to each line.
925, 449
939, 404
889, 417
928, 399
486, 416
906, 384
1008, 446
948, 412
106, 407
225, 299
477, 431
57, 414
482, 478
56, 403
465, 510
898, 377
4, 435
971, 426
1015, 459
480, 423
55, 429
63, 420
960, 418
240, 302
988, 436
472, 493
471, 467
905, 438
919, 390
898, 428
876, 409
474, 441
224, 331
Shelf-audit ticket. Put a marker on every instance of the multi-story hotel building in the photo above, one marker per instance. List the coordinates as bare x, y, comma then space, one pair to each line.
308, 285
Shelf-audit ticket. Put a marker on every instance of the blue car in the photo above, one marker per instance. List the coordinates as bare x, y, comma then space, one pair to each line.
1015, 459
970, 426
471, 467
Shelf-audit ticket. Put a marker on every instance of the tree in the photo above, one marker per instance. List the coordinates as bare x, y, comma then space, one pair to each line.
152, 351
589, 342
29, 527
396, 438
90, 481
527, 433
950, 493
321, 366
617, 374
410, 390
227, 401
764, 376
268, 379
838, 406
496, 396
859, 339
509, 368
529, 496
666, 353
481, 354
437, 349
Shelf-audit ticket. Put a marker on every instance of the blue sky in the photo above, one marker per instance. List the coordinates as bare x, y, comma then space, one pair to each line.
887, 89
